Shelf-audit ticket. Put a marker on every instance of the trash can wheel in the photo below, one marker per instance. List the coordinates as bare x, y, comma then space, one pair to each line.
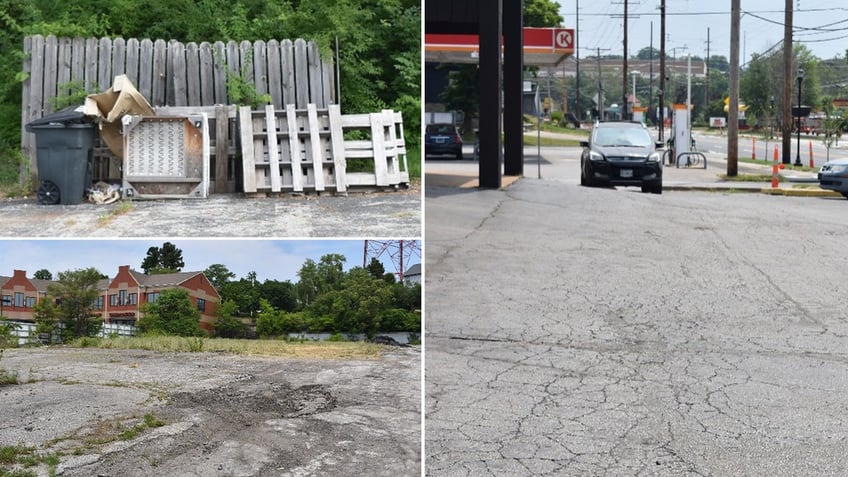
48, 193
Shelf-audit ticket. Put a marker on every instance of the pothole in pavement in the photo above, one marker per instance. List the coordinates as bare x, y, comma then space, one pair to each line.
247, 395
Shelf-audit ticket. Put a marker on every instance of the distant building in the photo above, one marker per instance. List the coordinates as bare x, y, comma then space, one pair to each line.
120, 298
412, 276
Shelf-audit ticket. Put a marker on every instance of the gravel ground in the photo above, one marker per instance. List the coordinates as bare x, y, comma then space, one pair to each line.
378, 214
221, 415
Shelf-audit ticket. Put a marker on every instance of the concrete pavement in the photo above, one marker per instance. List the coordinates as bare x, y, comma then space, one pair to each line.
463, 174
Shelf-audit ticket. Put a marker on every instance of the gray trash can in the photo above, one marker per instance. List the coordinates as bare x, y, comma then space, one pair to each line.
64, 144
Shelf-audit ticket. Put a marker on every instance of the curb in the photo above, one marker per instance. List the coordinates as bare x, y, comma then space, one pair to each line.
763, 190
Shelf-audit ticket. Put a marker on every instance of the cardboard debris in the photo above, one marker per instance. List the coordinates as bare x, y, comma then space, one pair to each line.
120, 100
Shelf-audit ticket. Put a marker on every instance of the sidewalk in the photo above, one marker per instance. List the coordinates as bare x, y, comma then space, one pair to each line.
794, 183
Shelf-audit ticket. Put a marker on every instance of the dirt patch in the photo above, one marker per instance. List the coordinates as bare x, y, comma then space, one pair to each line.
136, 413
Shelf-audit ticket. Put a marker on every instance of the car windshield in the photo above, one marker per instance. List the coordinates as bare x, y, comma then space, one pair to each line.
622, 137
440, 129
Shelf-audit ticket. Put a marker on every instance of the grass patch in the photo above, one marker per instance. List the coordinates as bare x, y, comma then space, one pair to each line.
274, 348
749, 178
530, 140
27, 457
413, 161
787, 167
122, 209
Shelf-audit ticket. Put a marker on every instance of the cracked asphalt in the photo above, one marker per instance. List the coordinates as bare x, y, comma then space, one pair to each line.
221, 414
578, 331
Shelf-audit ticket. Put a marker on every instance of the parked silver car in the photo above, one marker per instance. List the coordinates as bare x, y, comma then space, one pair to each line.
833, 175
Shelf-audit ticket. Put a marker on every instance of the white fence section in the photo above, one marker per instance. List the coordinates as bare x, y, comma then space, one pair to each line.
25, 331
295, 150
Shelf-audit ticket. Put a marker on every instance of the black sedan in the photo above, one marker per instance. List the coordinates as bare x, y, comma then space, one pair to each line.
621, 154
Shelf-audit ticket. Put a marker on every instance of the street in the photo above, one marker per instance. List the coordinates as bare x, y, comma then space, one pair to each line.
595, 331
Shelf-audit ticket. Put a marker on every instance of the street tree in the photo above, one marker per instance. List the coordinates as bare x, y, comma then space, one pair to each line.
280, 295
358, 306
165, 259
172, 314
76, 291
218, 275
375, 268
227, 324
43, 274
47, 318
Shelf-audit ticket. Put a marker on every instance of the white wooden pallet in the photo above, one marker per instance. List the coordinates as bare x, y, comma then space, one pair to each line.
302, 151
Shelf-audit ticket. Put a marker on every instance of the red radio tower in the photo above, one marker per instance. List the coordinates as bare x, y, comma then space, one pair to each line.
401, 252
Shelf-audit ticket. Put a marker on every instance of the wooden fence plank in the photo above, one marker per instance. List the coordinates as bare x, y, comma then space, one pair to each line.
177, 61
260, 67
192, 74
132, 60
287, 63
37, 77
104, 71
301, 73
207, 75
246, 60
27, 139
78, 61
273, 147
159, 91
119, 57
51, 60
327, 83
233, 64
248, 154
91, 59
337, 144
219, 55
275, 81
316, 87
145, 75
63, 73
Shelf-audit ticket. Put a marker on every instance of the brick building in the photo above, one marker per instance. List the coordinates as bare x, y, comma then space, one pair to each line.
120, 297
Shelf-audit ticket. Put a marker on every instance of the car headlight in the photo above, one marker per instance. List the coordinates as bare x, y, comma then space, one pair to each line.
655, 157
595, 156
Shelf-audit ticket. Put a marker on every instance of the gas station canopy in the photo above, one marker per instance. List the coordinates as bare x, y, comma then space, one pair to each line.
542, 46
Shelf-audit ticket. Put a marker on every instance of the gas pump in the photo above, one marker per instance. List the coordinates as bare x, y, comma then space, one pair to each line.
682, 134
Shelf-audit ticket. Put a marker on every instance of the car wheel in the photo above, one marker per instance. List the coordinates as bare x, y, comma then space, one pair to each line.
652, 188
584, 178
459, 154
845, 194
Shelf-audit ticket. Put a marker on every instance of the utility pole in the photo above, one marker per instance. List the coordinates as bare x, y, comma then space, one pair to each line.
733, 103
625, 114
651, 75
577, 110
662, 70
600, 87
707, 87
786, 129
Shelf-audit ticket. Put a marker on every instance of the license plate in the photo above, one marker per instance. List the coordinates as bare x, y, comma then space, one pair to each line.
440, 140
626, 173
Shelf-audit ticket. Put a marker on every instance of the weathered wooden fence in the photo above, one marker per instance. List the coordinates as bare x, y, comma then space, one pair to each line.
172, 73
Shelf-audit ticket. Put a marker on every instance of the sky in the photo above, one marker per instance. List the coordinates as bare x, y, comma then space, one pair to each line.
270, 259
687, 21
